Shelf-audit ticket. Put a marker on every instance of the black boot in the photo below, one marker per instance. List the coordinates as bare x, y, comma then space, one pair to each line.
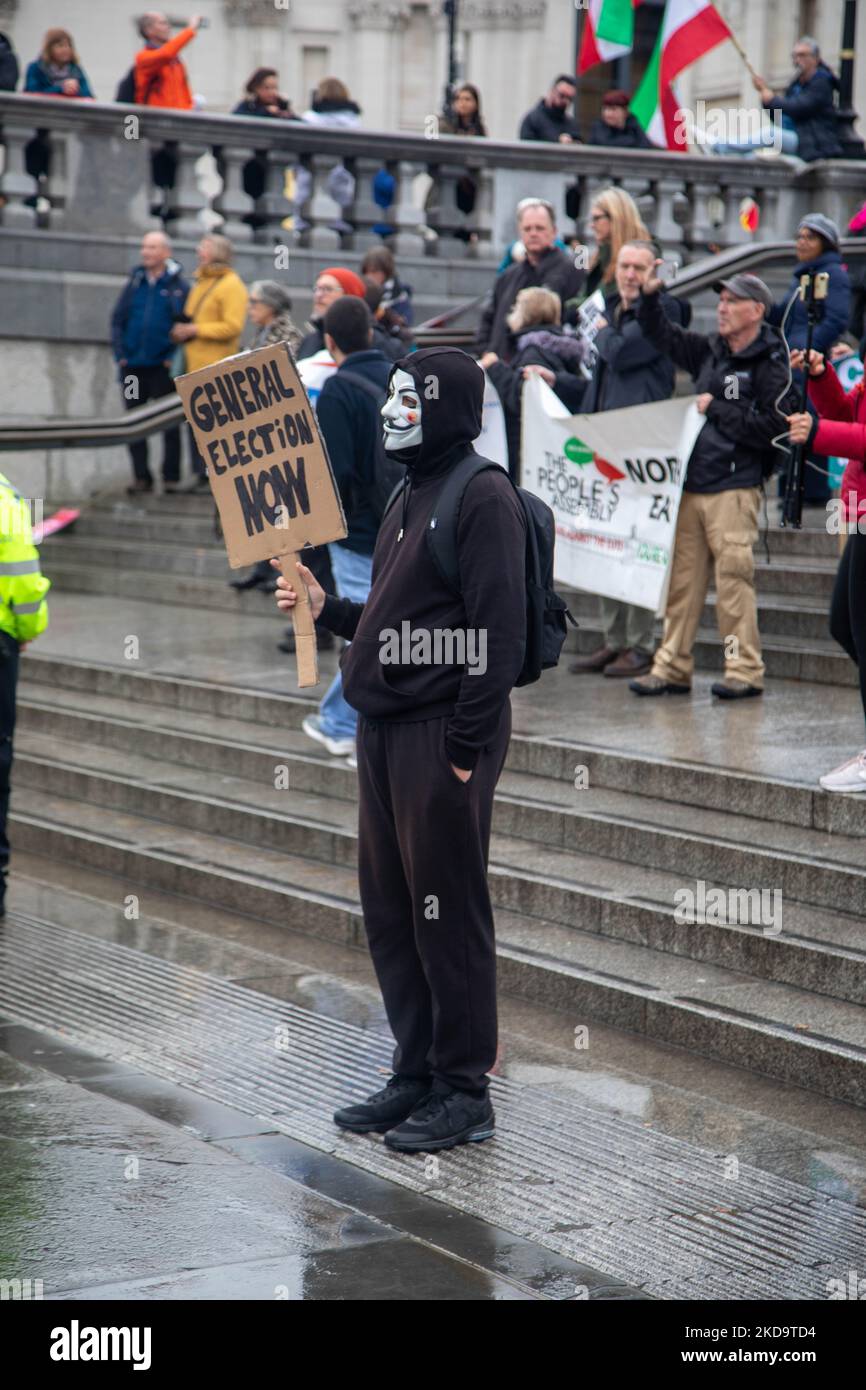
443, 1120
384, 1109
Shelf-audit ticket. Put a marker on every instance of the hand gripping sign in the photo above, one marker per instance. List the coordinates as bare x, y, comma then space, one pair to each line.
268, 469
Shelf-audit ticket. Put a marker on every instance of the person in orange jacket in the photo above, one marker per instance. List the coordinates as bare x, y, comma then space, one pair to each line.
161, 80
160, 75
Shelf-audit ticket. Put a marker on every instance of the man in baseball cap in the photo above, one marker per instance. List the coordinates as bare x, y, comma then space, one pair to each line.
740, 374
746, 286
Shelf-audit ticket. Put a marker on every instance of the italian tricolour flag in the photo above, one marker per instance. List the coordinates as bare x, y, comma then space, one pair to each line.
608, 30
690, 28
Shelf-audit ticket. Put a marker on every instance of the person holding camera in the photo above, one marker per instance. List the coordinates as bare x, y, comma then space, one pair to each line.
742, 379
840, 429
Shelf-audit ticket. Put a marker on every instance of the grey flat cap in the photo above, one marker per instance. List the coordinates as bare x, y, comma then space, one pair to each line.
746, 286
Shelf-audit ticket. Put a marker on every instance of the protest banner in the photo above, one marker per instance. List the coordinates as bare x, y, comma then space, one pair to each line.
492, 442
268, 469
614, 482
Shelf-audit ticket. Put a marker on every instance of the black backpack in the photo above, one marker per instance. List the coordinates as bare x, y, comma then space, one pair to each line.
388, 475
546, 612
126, 88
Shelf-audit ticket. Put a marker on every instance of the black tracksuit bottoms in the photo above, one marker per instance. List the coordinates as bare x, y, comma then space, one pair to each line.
423, 841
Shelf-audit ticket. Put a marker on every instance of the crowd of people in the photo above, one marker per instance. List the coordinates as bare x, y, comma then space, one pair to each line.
806, 110
532, 323
375, 413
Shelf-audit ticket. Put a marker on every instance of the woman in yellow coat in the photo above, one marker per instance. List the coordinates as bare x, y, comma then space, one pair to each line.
215, 313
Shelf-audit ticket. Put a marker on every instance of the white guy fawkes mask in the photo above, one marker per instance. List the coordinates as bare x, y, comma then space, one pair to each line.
401, 413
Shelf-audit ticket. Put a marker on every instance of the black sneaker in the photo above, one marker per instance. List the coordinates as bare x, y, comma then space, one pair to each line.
443, 1120
384, 1109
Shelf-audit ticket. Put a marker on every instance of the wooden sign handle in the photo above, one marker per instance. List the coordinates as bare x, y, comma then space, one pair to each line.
302, 623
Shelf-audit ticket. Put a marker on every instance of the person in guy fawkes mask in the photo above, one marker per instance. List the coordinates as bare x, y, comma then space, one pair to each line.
432, 737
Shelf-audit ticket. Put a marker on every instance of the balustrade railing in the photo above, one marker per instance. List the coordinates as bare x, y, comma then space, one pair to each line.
95, 166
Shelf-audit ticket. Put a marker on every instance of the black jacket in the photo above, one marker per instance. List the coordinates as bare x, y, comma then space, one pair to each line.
545, 346
407, 587
545, 122
9, 69
810, 106
251, 106
734, 447
629, 369
555, 271
633, 137
350, 423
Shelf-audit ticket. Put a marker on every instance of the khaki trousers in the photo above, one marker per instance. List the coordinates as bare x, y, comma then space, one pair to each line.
714, 530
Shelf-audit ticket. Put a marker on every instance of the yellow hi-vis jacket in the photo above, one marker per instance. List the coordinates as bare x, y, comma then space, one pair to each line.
23, 610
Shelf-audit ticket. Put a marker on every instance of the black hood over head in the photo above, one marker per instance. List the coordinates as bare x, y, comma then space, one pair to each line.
451, 390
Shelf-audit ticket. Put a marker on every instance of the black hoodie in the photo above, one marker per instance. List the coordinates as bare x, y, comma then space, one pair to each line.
407, 588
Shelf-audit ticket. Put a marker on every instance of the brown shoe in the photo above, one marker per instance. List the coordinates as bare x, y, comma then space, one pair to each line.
633, 661
657, 685
593, 661
735, 690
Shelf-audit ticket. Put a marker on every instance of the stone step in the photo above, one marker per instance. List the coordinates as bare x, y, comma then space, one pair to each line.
539, 845
806, 866
792, 1035
809, 577
200, 739
176, 693
782, 615
819, 660
78, 576
122, 554
786, 657
135, 524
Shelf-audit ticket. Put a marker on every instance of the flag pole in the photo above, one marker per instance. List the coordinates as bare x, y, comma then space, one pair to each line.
742, 52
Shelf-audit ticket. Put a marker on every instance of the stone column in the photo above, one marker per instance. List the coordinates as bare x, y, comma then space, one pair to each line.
233, 203
273, 205
407, 218
322, 209
15, 183
186, 199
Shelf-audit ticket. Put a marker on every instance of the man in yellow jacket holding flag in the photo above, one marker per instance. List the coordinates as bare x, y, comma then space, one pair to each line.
23, 615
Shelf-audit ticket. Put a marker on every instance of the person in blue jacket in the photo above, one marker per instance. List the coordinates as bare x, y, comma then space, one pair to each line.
817, 249
807, 104
149, 304
57, 71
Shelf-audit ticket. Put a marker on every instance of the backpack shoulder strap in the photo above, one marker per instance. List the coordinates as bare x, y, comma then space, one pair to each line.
442, 528
375, 392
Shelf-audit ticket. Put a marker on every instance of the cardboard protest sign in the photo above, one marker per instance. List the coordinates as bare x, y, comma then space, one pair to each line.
268, 468
614, 482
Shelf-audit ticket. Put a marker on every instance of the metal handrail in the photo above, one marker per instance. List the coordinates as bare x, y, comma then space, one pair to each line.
159, 415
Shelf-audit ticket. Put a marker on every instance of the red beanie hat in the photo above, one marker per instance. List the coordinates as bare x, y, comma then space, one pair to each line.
351, 283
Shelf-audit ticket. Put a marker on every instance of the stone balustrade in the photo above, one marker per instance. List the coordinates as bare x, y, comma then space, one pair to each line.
100, 159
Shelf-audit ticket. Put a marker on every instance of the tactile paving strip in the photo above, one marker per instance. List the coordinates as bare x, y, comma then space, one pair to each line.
654, 1211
